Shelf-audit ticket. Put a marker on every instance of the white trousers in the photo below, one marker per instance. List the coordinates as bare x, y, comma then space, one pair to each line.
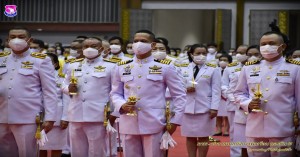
234, 151
18, 140
87, 139
142, 145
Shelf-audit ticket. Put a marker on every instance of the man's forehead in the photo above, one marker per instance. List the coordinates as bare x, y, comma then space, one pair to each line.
142, 35
270, 37
17, 32
91, 41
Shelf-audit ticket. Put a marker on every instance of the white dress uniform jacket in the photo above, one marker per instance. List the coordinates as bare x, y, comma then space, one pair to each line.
148, 80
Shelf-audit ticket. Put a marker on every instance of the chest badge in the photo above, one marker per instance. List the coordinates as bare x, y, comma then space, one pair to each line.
99, 69
155, 70
127, 69
27, 65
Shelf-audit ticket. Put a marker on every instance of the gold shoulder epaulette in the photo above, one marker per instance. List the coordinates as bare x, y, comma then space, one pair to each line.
70, 60
163, 61
185, 65
38, 55
253, 62
61, 75
77, 60
129, 55
177, 65
293, 61
211, 65
110, 60
232, 64
124, 62
4, 53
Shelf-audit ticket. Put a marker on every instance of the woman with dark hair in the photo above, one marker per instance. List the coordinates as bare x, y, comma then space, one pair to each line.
203, 83
57, 137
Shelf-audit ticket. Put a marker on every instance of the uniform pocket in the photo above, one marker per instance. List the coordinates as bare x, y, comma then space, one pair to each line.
3, 71
155, 77
26, 71
99, 74
78, 74
254, 80
126, 78
284, 80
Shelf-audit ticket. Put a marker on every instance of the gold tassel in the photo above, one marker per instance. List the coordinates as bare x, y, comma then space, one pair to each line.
38, 129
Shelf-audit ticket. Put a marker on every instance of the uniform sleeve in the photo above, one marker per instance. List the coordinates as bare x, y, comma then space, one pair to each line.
225, 82
297, 92
216, 89
47, 78
112, 107
241, 92
117, 90
177, 91
66, 101
66, 82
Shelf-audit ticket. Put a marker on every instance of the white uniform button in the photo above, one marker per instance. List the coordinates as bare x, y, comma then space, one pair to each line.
11, 78
270, 67
9, 97
87, 73
9, 87
139, 109
83, 100
85, 81
267, 89
84, 91
139, 87
13, 69
268, 78
265, 101
139, 76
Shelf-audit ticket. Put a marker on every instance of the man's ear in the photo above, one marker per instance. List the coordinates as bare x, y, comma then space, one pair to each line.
153, 45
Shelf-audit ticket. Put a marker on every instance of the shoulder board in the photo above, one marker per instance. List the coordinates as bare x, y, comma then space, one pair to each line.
70, 60
124, 62
211, 65
4, 53
185, 65
38, 55
177, 65
293, 61
164, 61
77, 60
129, 55
110, 60
252, 63
61, 75
232, 64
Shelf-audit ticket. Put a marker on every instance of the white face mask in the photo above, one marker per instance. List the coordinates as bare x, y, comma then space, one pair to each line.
140, 48
114, 49
173, 53
296, 59
269, 51
58, 52
199, 59
130, 51
35, 50
253, 58
241, 58
223, 64
230, 53
160, 55
211, 50
74, 53
17, 44
181, 55
90, 53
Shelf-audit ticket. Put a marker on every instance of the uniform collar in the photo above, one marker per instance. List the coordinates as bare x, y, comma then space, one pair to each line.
143, 61
22, 55
120, 55
278, 61
194, 65
93, 60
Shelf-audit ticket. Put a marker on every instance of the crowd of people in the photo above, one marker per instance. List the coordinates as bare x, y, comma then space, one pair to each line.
95, 98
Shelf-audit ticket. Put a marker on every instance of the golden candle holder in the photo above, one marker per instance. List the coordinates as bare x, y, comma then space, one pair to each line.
193, 82
73, 80
257, 95
132, 99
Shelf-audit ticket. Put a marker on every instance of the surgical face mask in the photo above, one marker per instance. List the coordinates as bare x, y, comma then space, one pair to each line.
160, 55
173, 53
296, 59
241, 58
17, 44
130, 51
223, 64
269, 51
181, 55
201, 59
253, 58
58, 52
140, 48
230, 53
211, 50
114, 49
90, 53
74, 53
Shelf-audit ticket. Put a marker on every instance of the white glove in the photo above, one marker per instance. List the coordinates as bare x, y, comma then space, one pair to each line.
41, 142
109, 128
166, 141
230, 97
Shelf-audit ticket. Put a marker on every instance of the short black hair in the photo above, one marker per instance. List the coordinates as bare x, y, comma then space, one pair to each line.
94, 38
227, 56
54, 59
167, 47
212, 44
291, 52
79, 41
21, 28
81, 36
252, 47
116, 38
152, 36
39, 42
163, 40
192, 49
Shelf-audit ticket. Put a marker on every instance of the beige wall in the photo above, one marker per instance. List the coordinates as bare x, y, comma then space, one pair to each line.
183, 27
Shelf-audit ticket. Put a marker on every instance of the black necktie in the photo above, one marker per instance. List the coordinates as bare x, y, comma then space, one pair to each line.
196, 70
